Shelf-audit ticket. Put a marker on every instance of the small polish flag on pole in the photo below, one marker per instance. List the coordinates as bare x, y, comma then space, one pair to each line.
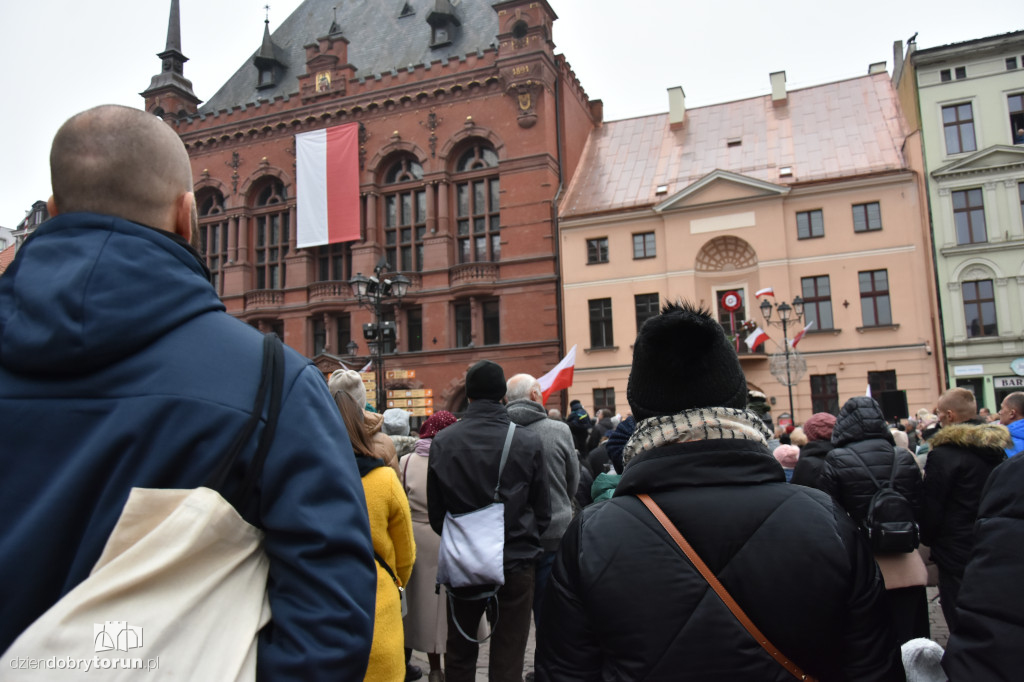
767, 291
560, 377
800, 334
327, 186
756, 338
367, 368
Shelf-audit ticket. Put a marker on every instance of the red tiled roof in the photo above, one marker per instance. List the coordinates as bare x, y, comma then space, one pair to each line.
843, 129
6, 256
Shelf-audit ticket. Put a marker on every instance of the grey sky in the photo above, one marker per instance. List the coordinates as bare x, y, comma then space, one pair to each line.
62, 56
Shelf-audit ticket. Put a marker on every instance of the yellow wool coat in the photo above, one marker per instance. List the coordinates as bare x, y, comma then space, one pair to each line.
391, 530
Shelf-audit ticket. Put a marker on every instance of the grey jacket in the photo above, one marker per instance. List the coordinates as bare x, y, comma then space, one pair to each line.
560, 459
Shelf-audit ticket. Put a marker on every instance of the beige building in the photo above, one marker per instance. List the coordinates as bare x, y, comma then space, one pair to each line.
815, 193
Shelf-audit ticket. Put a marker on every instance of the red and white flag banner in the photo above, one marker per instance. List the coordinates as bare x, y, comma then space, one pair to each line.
800, 334
327, 186
560, 377
756, 338
767, 291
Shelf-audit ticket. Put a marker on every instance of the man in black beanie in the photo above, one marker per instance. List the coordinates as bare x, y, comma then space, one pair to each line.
624, 602
462, 474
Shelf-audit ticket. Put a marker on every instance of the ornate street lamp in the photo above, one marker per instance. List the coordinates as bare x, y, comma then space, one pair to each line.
793, 365
371, 293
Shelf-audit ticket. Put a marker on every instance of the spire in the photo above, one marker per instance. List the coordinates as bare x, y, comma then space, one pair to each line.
170, 93
266, 61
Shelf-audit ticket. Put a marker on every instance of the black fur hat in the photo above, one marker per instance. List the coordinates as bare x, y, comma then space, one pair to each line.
682, 360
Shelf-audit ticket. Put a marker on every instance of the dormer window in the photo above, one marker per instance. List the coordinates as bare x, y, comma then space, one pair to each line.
443, 23
266, 77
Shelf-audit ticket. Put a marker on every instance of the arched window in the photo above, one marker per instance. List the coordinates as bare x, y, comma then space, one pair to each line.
270, 234
213, 234
405, 214
477, 213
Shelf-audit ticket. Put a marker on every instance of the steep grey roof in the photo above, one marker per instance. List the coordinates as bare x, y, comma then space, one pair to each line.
379, 40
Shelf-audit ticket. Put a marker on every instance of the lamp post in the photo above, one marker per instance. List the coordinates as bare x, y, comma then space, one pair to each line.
371, 293
786, 313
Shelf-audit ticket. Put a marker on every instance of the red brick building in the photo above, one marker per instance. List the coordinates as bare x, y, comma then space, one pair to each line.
470, 127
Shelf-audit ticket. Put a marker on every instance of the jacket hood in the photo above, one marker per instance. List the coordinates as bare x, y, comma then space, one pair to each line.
524, 411
372, 422
993, 436
860, 419
84, 292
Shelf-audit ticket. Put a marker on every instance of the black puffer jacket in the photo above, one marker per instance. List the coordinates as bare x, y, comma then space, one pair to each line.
959, 463
862, 435
623, 602
463, 470
812, 459
990, 627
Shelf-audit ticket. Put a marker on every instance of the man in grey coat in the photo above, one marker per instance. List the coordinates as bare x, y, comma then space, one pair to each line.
525, 408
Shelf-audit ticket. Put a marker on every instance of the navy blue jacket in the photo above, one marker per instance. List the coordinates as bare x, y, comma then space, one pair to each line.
119, 368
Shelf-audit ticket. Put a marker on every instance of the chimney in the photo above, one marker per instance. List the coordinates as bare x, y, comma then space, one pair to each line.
877, 67
676, 108
778, 87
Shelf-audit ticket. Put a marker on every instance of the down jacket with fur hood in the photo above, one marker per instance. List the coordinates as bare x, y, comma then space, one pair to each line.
959, 464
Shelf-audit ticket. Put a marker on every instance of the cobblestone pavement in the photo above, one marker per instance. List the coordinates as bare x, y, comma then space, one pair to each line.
939, 632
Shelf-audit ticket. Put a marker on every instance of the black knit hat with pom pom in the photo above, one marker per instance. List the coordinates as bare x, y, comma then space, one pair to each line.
682, 360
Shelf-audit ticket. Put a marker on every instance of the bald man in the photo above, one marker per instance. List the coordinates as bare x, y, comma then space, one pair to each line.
1011, 415
119, 368
963, 454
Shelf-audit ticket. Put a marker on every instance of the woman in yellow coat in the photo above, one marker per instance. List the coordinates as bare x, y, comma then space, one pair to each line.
391, 530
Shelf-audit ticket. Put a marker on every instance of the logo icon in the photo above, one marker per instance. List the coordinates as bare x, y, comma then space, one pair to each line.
116, 635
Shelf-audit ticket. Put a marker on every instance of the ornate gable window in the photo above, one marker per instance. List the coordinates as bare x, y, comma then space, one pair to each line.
270, 234
477, 214
213, 234
405, 214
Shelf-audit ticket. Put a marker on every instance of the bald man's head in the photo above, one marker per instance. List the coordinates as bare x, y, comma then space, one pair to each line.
122, 162
957, 405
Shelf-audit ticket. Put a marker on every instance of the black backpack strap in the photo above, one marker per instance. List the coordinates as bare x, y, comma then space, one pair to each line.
272, 382
866, 467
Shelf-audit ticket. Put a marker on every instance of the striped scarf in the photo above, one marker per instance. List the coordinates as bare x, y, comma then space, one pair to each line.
705, 423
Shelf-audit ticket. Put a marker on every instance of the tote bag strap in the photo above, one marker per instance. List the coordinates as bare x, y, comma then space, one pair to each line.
720, 590
504, 457
272, 382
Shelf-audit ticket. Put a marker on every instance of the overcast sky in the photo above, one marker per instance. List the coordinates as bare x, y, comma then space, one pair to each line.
62, 56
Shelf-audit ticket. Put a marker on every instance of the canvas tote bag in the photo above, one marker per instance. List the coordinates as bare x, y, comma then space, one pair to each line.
472, 551
179, 590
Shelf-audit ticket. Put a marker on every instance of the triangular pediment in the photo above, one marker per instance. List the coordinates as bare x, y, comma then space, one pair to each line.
992, 159
719, 187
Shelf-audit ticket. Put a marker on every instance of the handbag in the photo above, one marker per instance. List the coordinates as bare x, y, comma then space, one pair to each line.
176, 562
394, 578
720, 590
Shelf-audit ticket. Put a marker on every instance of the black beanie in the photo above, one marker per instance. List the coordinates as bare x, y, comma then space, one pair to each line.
485, 380
681, 361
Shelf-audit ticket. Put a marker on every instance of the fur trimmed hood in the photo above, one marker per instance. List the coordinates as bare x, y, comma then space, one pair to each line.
973, 436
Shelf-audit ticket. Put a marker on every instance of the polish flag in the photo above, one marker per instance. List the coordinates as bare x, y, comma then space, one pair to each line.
327, 184
367, 368
800, 334
767, 291
560, 377
756, 338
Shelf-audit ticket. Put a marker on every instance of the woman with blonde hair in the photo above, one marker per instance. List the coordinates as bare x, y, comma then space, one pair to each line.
393, 545
350, 383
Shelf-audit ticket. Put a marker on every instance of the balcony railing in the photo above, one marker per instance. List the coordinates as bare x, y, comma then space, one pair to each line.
331, 289
474, 273
263, 298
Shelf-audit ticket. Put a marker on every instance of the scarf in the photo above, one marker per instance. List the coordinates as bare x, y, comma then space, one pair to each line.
704, 423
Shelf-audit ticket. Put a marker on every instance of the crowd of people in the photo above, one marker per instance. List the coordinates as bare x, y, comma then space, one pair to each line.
684, 540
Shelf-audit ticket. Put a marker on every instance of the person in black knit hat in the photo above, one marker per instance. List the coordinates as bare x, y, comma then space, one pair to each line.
625, 603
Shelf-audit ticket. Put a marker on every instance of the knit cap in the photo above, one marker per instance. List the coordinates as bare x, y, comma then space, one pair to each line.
819, 426
681, 361
348, 381
435, 422
396, 422
787, 455
485, 380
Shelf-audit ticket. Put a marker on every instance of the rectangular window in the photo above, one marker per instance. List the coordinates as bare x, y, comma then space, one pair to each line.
969, 216
882, 381
463, 325
875, 309
597, 250
646, 307
960, 72
817, 295
643, 245
1011, 63
1016, 106
478, 220
405, 227
319, 335
945, 75
344, 326
810, 224
824, 393
867, 217
271, 247
414, 327
604, 399
332, 260
739, 316
492, 323
958, 124
601, 323
980, 308
213, 244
